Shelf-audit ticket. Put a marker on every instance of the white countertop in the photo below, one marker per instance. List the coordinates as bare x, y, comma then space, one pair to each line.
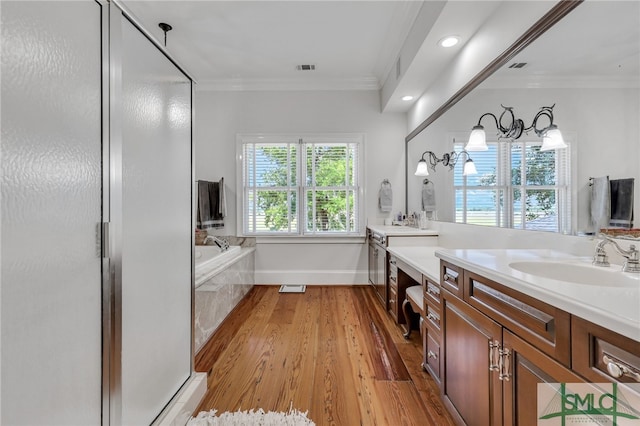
610, 306
405, 231
423, 259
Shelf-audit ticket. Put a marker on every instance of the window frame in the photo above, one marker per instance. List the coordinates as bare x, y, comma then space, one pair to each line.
565, 182
301, 187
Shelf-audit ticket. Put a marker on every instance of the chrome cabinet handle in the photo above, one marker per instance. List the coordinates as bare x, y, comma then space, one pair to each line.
618, 370
494, 355
433, 290
433, 317
431, 354
505, 364
446, 277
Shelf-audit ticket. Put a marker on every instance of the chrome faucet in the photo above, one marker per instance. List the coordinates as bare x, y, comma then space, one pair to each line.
222, 243
632, 262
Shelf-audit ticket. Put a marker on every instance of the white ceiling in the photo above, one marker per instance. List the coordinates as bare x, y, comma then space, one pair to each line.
596, 45
256, 45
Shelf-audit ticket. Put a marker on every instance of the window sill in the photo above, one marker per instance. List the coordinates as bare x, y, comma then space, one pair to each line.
351, 239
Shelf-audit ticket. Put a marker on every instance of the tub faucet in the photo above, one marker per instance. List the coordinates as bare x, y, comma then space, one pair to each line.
223, 244
632, 262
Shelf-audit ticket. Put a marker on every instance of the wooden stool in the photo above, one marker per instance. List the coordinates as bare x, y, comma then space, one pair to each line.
412, 302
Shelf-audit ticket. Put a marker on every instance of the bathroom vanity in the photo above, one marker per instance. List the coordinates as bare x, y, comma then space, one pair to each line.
492, 332
379, 238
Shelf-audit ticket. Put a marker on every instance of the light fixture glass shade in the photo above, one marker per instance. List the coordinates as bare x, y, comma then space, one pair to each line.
422, 169
552, 139
469, 168
477, 140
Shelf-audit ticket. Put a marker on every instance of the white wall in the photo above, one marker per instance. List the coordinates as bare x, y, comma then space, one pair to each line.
604, 123
221, 115
462, 236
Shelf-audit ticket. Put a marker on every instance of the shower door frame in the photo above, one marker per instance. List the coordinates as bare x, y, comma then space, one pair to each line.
113, 14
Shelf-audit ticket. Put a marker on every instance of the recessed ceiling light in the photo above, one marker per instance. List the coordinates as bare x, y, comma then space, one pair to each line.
407, 98
449, 41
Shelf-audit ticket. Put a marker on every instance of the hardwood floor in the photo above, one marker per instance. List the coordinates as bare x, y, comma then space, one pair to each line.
331, 351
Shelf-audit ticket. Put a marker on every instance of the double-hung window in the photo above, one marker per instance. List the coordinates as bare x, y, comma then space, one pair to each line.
517, 186
307, 185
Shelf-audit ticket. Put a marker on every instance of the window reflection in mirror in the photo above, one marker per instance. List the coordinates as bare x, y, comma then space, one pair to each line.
589, 66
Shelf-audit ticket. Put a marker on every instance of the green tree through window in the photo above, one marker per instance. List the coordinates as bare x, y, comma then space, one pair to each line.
323, 194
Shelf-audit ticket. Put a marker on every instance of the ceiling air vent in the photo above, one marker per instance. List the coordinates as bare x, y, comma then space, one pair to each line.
518, 65
309, 67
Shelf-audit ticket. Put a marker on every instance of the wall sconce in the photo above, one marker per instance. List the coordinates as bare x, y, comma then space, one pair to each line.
551, 136
448, 159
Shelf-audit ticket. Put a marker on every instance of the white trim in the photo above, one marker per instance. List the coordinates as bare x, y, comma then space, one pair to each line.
312, 277
561, 82
184, 404
328, 137
308, 239
283, 84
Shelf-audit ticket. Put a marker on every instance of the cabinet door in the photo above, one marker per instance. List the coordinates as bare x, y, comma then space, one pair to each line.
472, 392
381, 268
526, 367
372, 263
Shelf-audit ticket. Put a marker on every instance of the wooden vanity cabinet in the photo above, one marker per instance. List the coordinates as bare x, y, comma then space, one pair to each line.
602, 355
431, 331
546, 327
498, 344
471, 392
528, 367
393, 304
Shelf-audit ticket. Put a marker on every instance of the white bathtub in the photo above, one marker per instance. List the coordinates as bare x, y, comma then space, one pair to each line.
211, 256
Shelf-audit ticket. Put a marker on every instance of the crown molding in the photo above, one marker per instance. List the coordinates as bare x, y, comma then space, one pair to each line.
297, 84
561, 82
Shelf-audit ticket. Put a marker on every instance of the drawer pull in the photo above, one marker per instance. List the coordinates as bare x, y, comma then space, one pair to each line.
618, 370
432, 354
433, 317
504, 364
494, 348
433, 290
446, 277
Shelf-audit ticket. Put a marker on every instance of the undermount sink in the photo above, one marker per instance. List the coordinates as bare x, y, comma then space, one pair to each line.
578, 273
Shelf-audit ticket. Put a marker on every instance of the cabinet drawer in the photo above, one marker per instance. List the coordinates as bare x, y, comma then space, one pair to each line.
451, 278
431, 291
393, 303
600, 354
542, 325
393, 283
393, 269
432, 356
432, 316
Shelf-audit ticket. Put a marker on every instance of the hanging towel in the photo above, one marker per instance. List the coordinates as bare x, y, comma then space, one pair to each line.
210, 205
222, 205
428, 197
622, 203
600, 203
385, 196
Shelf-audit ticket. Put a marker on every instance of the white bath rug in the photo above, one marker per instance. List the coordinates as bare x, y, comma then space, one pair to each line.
290, 288
251, 418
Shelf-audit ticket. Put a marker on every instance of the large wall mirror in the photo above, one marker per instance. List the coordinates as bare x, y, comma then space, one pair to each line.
588, 65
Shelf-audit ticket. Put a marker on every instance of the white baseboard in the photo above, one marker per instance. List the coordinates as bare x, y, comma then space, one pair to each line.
179, 411
312, 277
